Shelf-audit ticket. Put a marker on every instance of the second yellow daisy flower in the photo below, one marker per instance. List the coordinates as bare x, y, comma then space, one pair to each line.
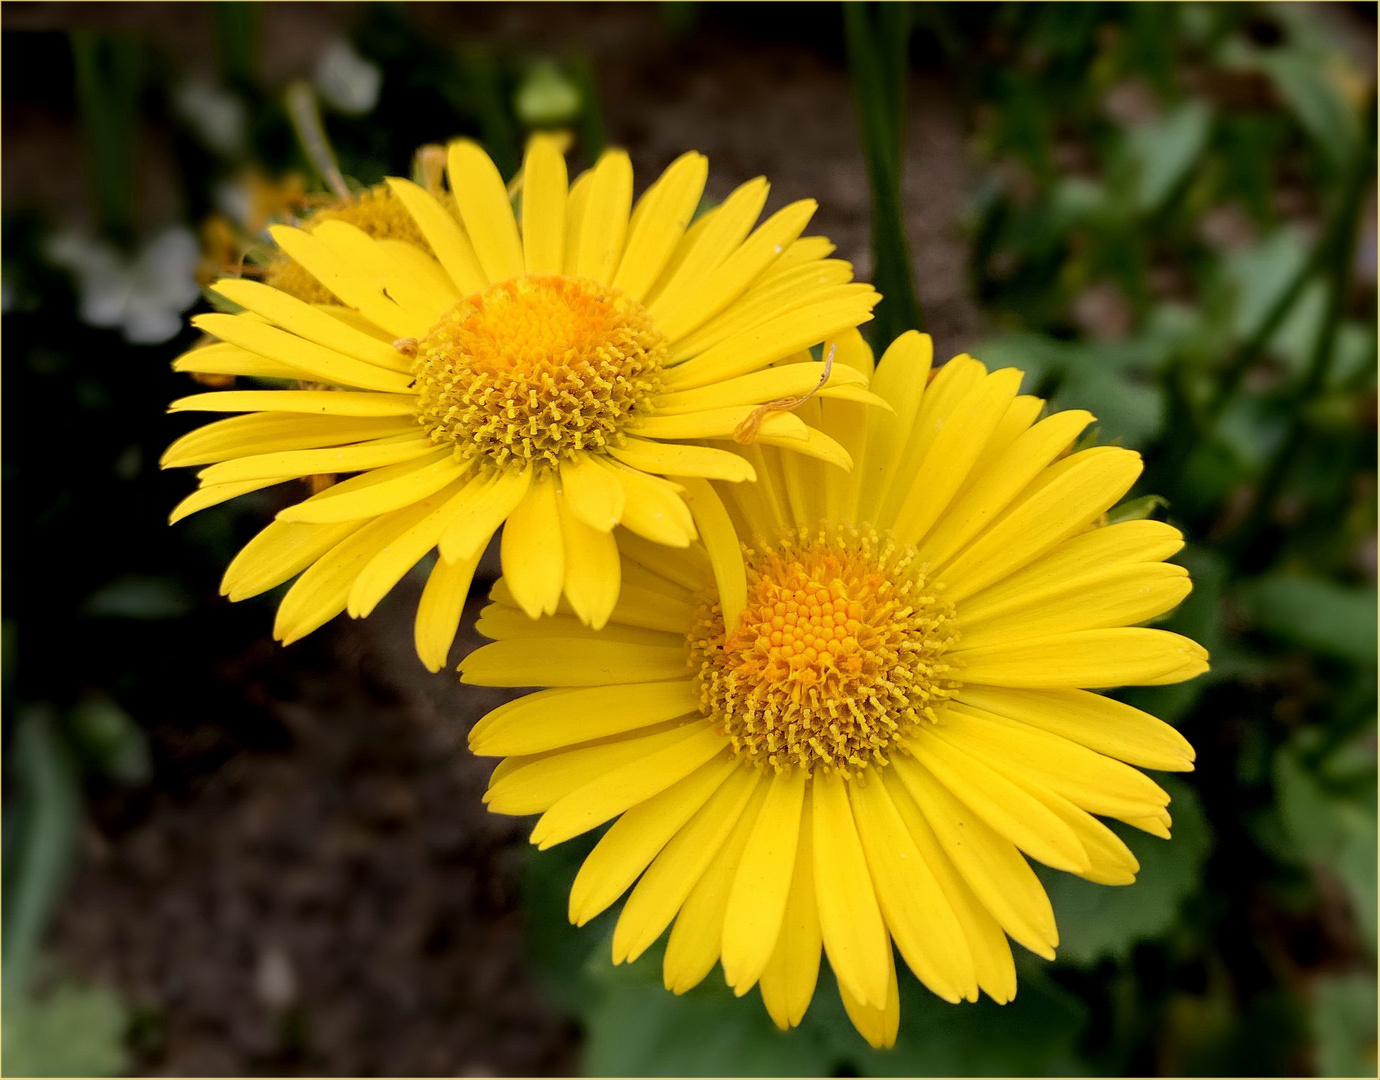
548, 370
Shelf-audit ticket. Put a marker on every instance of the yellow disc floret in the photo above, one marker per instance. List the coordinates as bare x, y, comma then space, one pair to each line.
838, 653
536, 369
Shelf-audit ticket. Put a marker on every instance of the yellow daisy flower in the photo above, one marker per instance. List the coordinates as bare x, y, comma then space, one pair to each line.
547, 371
896, 715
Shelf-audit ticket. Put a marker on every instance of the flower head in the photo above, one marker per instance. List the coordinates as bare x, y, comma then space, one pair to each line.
853, 728
548, 370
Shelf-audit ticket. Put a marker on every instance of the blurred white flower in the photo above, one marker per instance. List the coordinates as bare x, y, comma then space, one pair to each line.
234, 199
144, 296
346, 80
215, 114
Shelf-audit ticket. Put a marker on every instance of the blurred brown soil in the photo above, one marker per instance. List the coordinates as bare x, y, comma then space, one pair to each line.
311, 885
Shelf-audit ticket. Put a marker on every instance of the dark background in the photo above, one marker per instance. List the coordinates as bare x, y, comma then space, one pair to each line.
224, 857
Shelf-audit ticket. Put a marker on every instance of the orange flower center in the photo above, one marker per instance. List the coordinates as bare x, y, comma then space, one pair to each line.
536, 369
838, 653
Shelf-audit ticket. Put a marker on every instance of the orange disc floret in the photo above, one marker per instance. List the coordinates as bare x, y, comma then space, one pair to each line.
536, 369
838, 653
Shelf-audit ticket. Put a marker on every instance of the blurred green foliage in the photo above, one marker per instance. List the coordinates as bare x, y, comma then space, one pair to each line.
1164, 227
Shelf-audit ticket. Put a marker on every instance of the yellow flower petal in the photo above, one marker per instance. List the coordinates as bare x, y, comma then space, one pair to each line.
1123, 656
653, 507
987, 944
417, 480
532, 550
392, 562
706, 245
675, 459
878, 1024
695, 939
789, 380
673, 873
636, 838
761, 884
543, 206
482, 200
564, 662
725, 555
851, 922
393, 450
592, 572
206, 497
918, 914
415, 284
310, 323
606, 217
316, 402
953, 441
1099, 723
532, 785
1007, 807
222, 358
627, 785
1116, 596
552, 719
301, 354
994, 488
1075, 493
692, 308
439, 611
351, 285
659, 222
241, 436
991, 865
788, 981
717, 424
471, 532
322, 591
592, 493
444, 236
1075, 562
1087, 779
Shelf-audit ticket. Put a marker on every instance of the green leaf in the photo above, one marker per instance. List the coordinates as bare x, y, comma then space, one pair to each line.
1130, 411
1315, 100
638, 1028
74, 1031
111, 740
40, 839
1332, 829
139, 597
1261, 275
1034, 1035
1166, 150
563, 954
546, 98
1344, 1009
1335, 620
1137, 509
1097, 921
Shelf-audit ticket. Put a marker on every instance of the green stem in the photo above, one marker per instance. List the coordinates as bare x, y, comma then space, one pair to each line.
877, 56
108, 80
311, 133
1336, 255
